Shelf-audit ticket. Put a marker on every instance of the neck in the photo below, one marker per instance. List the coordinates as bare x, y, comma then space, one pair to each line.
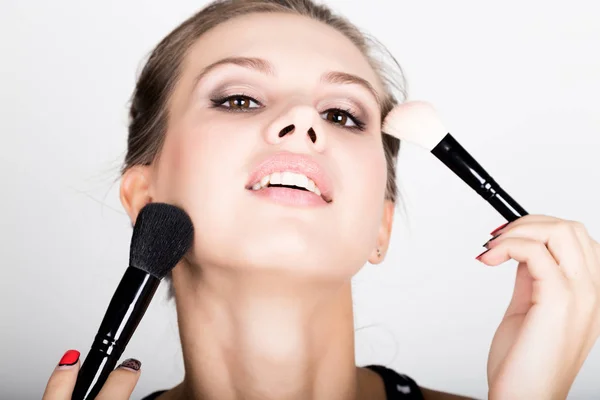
255, 335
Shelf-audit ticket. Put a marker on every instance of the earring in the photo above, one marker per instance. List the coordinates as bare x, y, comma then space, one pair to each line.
378, 253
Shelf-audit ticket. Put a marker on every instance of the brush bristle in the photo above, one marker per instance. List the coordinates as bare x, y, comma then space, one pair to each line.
416, 122
162, 235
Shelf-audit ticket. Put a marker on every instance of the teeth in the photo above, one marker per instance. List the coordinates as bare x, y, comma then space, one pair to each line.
293, 179
288, 179
265, 181
275, 178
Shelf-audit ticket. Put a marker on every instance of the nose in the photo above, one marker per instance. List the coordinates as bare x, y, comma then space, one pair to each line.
301, 126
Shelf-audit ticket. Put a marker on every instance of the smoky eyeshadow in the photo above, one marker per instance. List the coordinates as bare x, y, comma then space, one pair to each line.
230, 87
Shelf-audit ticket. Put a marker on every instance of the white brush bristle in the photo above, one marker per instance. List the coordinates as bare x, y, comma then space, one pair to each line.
416, 122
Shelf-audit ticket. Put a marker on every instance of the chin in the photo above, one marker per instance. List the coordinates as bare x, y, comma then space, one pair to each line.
284, 250
297, 243
297, 256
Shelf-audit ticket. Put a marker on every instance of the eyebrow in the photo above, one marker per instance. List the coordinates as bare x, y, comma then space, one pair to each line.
265, 67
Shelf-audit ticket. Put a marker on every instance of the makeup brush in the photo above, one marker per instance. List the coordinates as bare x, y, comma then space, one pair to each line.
417, 122
161, 236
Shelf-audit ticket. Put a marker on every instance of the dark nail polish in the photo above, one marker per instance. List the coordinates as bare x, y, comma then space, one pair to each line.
131, 363
69, 358
489, 241
498, 228
481, 255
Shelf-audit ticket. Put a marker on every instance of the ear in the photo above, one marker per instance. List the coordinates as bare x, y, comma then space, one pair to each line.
385, 233
135, 190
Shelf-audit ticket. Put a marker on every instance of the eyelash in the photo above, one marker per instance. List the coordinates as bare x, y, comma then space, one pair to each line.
359, 125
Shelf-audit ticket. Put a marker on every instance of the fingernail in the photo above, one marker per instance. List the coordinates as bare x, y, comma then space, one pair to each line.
498, 228
131, 364
478, 258
489, 241
69, 359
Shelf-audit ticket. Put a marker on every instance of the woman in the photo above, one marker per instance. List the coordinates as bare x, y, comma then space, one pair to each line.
230, 103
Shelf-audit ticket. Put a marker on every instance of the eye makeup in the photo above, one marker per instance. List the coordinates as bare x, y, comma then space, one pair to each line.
245, 106
242, 95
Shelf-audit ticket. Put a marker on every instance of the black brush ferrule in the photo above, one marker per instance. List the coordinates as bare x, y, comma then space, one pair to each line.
455, 157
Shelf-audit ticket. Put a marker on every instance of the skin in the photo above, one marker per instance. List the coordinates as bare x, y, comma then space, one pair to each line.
268, 285
263, 298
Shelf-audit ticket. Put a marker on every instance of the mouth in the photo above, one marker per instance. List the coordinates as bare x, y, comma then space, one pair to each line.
291, 181
291, 178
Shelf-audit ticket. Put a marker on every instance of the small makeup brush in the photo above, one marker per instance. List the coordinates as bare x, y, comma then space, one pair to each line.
417, 122
161, 236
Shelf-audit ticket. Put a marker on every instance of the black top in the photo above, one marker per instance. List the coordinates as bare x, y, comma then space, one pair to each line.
397, 386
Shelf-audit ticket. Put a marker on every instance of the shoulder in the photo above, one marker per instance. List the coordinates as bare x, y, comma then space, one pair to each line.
397, 386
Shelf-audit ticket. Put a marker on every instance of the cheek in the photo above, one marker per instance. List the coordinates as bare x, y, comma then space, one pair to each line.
189, 163
202, 168
365, 179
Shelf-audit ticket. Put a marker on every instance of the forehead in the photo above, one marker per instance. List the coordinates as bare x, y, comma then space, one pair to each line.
297, 46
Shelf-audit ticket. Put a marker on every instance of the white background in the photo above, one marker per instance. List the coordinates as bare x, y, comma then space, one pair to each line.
516, 82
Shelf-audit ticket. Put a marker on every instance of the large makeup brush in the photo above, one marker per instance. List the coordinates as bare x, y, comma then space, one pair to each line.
161, 236
417, 122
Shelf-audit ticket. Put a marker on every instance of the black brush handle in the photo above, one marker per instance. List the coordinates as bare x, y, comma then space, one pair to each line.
124, 313
451, 153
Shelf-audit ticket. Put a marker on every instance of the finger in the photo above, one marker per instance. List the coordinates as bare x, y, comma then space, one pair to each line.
62, 381
120, 383
562, 240
540, 263
523, 220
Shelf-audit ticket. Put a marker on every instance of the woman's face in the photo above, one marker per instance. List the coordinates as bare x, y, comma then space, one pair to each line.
230, 118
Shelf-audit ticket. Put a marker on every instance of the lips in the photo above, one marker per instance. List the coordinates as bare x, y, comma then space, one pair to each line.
296, 164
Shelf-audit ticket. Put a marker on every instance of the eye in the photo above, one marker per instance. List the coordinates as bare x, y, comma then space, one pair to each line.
344, 118
236, 102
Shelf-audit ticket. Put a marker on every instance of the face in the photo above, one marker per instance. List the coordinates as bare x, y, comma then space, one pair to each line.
295, 96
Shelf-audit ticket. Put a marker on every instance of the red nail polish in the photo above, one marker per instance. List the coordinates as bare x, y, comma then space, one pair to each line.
498, 228
70, 358
481, 255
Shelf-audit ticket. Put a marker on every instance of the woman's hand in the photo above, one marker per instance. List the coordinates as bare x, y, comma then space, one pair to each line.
118, 386
553, 319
